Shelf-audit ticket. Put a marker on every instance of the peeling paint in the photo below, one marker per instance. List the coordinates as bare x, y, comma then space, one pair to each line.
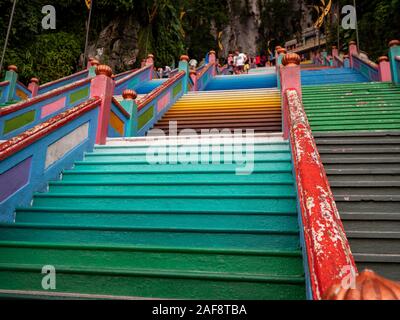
327, 246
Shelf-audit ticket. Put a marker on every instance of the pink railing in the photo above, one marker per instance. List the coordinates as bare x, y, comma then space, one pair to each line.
366, 67
160, 90
338, 62
49, 86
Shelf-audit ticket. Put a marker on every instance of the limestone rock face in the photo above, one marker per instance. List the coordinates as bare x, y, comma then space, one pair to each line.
117, 44
244, 27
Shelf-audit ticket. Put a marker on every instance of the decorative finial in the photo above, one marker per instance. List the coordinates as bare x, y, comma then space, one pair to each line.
382, 59
394, 43
291, 59
212, 52
94, 62
35, 80
281, 51
104, 70
184, 58
150, 56
352, 43
129, 94
368, 286
12, 68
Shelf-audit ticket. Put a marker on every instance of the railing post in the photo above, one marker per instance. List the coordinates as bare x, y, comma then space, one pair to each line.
212, 58
130, 105
92, 68
346, 61
184, 66
352, 50
335, 54
276, 56
281, 53
290, 79
103, 86
394, 52
34, 87
150, 62
89, 63
385, 74
12, 77
193, 76
335, 51
324, 57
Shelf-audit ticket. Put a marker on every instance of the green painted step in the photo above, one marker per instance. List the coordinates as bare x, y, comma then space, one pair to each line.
230, 239
128, 177
139, 266
176, 189
157, 285
360, 107
355, 86
271, 166
116, 225
154, 202
235, 262
247, 221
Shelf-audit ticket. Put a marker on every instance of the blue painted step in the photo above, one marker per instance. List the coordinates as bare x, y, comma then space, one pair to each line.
148, 86
331, 76
234, 82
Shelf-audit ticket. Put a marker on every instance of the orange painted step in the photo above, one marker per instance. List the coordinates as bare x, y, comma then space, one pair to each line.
258, 110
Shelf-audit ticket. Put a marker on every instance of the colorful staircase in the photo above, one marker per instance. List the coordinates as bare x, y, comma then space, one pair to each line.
242, 82
117, 226
259, 110
331, 76
357, 130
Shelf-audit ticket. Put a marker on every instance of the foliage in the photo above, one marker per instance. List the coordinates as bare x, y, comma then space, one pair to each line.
169, 29
378, 22
279, 20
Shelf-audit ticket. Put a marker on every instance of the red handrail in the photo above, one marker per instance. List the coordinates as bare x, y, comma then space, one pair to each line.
28, 137
204, 70
135, 73
48, 84
119, 75
366, 61
328, 251
22, 105
121, 108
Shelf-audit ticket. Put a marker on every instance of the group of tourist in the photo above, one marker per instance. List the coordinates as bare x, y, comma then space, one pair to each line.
240, 63
164, 72
236, 63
